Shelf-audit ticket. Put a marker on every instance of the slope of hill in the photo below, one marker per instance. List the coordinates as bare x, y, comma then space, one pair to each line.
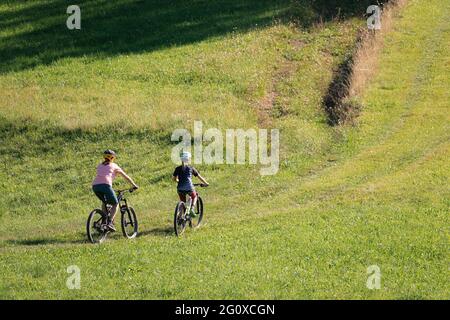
345, 198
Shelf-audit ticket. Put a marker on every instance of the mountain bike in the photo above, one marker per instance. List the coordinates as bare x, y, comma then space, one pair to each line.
182, 217
97, 223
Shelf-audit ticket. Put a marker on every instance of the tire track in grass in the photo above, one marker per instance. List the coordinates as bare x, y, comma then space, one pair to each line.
355, 172
320, 183
315, 187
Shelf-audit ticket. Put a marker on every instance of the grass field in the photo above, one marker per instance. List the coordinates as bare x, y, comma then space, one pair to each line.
345, 197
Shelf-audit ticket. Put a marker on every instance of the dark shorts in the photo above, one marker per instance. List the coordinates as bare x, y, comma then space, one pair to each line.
105, 193
182, 194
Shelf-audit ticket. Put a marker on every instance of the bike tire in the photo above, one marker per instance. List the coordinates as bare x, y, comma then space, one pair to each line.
195, 222
179, 224
129, 218
94, 234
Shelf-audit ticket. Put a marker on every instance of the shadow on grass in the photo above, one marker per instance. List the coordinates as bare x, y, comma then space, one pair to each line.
35, 32
81, 238
157, 232
47, 241
29, 138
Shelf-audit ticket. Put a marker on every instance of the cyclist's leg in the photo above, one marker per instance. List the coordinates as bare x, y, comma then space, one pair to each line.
182, 196
105, 210
106, 194
194, 198
112, 200
98, 191
99, 194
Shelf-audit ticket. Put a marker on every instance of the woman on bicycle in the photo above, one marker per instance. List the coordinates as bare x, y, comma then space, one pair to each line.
183, 175
102, 184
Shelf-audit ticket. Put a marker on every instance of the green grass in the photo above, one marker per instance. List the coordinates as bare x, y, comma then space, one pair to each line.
345, 198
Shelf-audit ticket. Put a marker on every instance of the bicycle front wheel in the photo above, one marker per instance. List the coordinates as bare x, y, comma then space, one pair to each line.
129, 223
95, 226
179, 220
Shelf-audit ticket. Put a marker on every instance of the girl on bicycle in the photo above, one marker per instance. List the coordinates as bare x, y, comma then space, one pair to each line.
102, 184
183, 175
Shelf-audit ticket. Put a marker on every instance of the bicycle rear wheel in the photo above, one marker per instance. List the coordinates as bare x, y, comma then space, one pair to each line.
129, 223
179, 220
197, 220
95, 226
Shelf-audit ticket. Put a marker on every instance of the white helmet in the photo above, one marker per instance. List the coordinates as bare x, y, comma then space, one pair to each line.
185, 156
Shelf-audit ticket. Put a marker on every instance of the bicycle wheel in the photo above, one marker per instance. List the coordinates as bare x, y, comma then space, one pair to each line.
195, 222
95, 226
129, 223
179, 220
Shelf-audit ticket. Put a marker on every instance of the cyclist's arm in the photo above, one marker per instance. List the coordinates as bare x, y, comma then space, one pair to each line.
126, 177
175, 174
202, 179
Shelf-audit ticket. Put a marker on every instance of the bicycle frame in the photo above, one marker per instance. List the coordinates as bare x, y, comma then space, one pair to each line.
182, 214
188, 203
98, 220
121, 199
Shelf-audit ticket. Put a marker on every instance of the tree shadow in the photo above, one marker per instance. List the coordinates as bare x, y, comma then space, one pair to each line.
122, 27
36, 33
41, 137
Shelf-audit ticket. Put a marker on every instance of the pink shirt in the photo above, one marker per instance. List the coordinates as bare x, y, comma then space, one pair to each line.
106, 173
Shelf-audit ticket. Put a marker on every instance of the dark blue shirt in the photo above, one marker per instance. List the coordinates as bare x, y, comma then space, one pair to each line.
184, 174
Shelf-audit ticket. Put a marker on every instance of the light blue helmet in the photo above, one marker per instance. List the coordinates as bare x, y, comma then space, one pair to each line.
185, 156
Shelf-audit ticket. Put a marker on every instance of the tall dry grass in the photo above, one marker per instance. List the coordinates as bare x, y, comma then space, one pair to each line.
365, 58
342, 99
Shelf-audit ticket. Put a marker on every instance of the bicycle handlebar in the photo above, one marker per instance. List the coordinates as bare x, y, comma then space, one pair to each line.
200, 185
126, 190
